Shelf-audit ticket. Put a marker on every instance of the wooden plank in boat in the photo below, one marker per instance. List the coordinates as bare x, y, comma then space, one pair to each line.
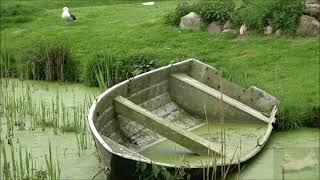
164, 128
215, 93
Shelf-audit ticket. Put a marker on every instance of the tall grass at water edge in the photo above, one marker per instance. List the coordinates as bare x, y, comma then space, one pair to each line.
46, 60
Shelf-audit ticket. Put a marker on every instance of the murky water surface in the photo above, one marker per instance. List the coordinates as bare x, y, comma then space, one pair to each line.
63, 102
289, 155
238, 137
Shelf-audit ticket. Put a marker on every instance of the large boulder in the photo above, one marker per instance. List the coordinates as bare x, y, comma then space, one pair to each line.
214, 27
191, 21
312, 9
308, 26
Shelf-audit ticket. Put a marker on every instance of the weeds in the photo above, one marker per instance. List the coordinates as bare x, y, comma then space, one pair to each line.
48, 61
54, 169
22, 166
280, 14
7, 63
107, 69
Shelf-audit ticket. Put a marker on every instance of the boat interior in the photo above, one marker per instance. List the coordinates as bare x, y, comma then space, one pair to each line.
184, 112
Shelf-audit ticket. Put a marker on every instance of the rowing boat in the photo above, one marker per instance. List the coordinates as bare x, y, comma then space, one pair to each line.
181, 116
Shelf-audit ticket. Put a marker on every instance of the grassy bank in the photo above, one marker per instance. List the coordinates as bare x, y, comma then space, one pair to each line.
286, 66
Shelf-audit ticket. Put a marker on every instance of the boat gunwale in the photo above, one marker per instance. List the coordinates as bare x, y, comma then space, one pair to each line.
105, 145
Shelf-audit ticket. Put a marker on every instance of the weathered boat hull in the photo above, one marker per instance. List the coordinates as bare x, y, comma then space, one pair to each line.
185, 90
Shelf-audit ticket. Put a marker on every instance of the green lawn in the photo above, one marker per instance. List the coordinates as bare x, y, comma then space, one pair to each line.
127, 27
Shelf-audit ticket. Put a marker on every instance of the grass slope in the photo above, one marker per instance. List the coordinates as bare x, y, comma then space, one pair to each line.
127, 27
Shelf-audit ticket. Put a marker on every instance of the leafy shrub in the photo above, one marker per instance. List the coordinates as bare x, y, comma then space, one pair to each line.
282, 14
214, 10
211, 10
181, 10
255, 14
317, 16
286, 13
50, 60
105, 69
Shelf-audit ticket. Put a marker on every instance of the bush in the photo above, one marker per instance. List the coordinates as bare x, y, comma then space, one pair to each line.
215, 10
256, 15
286, 13
212, 10
181, 10
50, 60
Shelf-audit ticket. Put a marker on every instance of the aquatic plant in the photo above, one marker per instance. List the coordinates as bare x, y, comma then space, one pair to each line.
54, 169
143, 171
20, 167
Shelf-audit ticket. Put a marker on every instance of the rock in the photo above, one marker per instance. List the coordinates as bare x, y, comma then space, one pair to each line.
191, 21
242, 30
226, 25
312, 9
308, 26
268, 30
214, 27
312, 1
278, 32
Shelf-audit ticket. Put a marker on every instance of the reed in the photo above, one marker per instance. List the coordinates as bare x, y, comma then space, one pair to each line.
6, 164
7, 63
54, 169
48, 60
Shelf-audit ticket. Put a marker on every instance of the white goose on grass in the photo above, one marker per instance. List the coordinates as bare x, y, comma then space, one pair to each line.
66, 15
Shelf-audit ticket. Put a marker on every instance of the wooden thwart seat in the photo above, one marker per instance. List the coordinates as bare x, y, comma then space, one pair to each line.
184, 78
164, 128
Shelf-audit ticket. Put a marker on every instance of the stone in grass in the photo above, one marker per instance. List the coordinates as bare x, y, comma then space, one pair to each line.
191, 21
226, 25
214, 27
312, 1
312, 9
278, 32
308, 26
243, 30
268, 30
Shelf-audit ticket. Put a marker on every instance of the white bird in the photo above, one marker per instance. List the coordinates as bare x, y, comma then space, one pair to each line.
66, 15
148, 3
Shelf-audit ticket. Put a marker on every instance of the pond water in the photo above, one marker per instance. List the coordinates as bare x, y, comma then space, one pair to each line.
248, 133
34, 112
39, 112
299, 147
